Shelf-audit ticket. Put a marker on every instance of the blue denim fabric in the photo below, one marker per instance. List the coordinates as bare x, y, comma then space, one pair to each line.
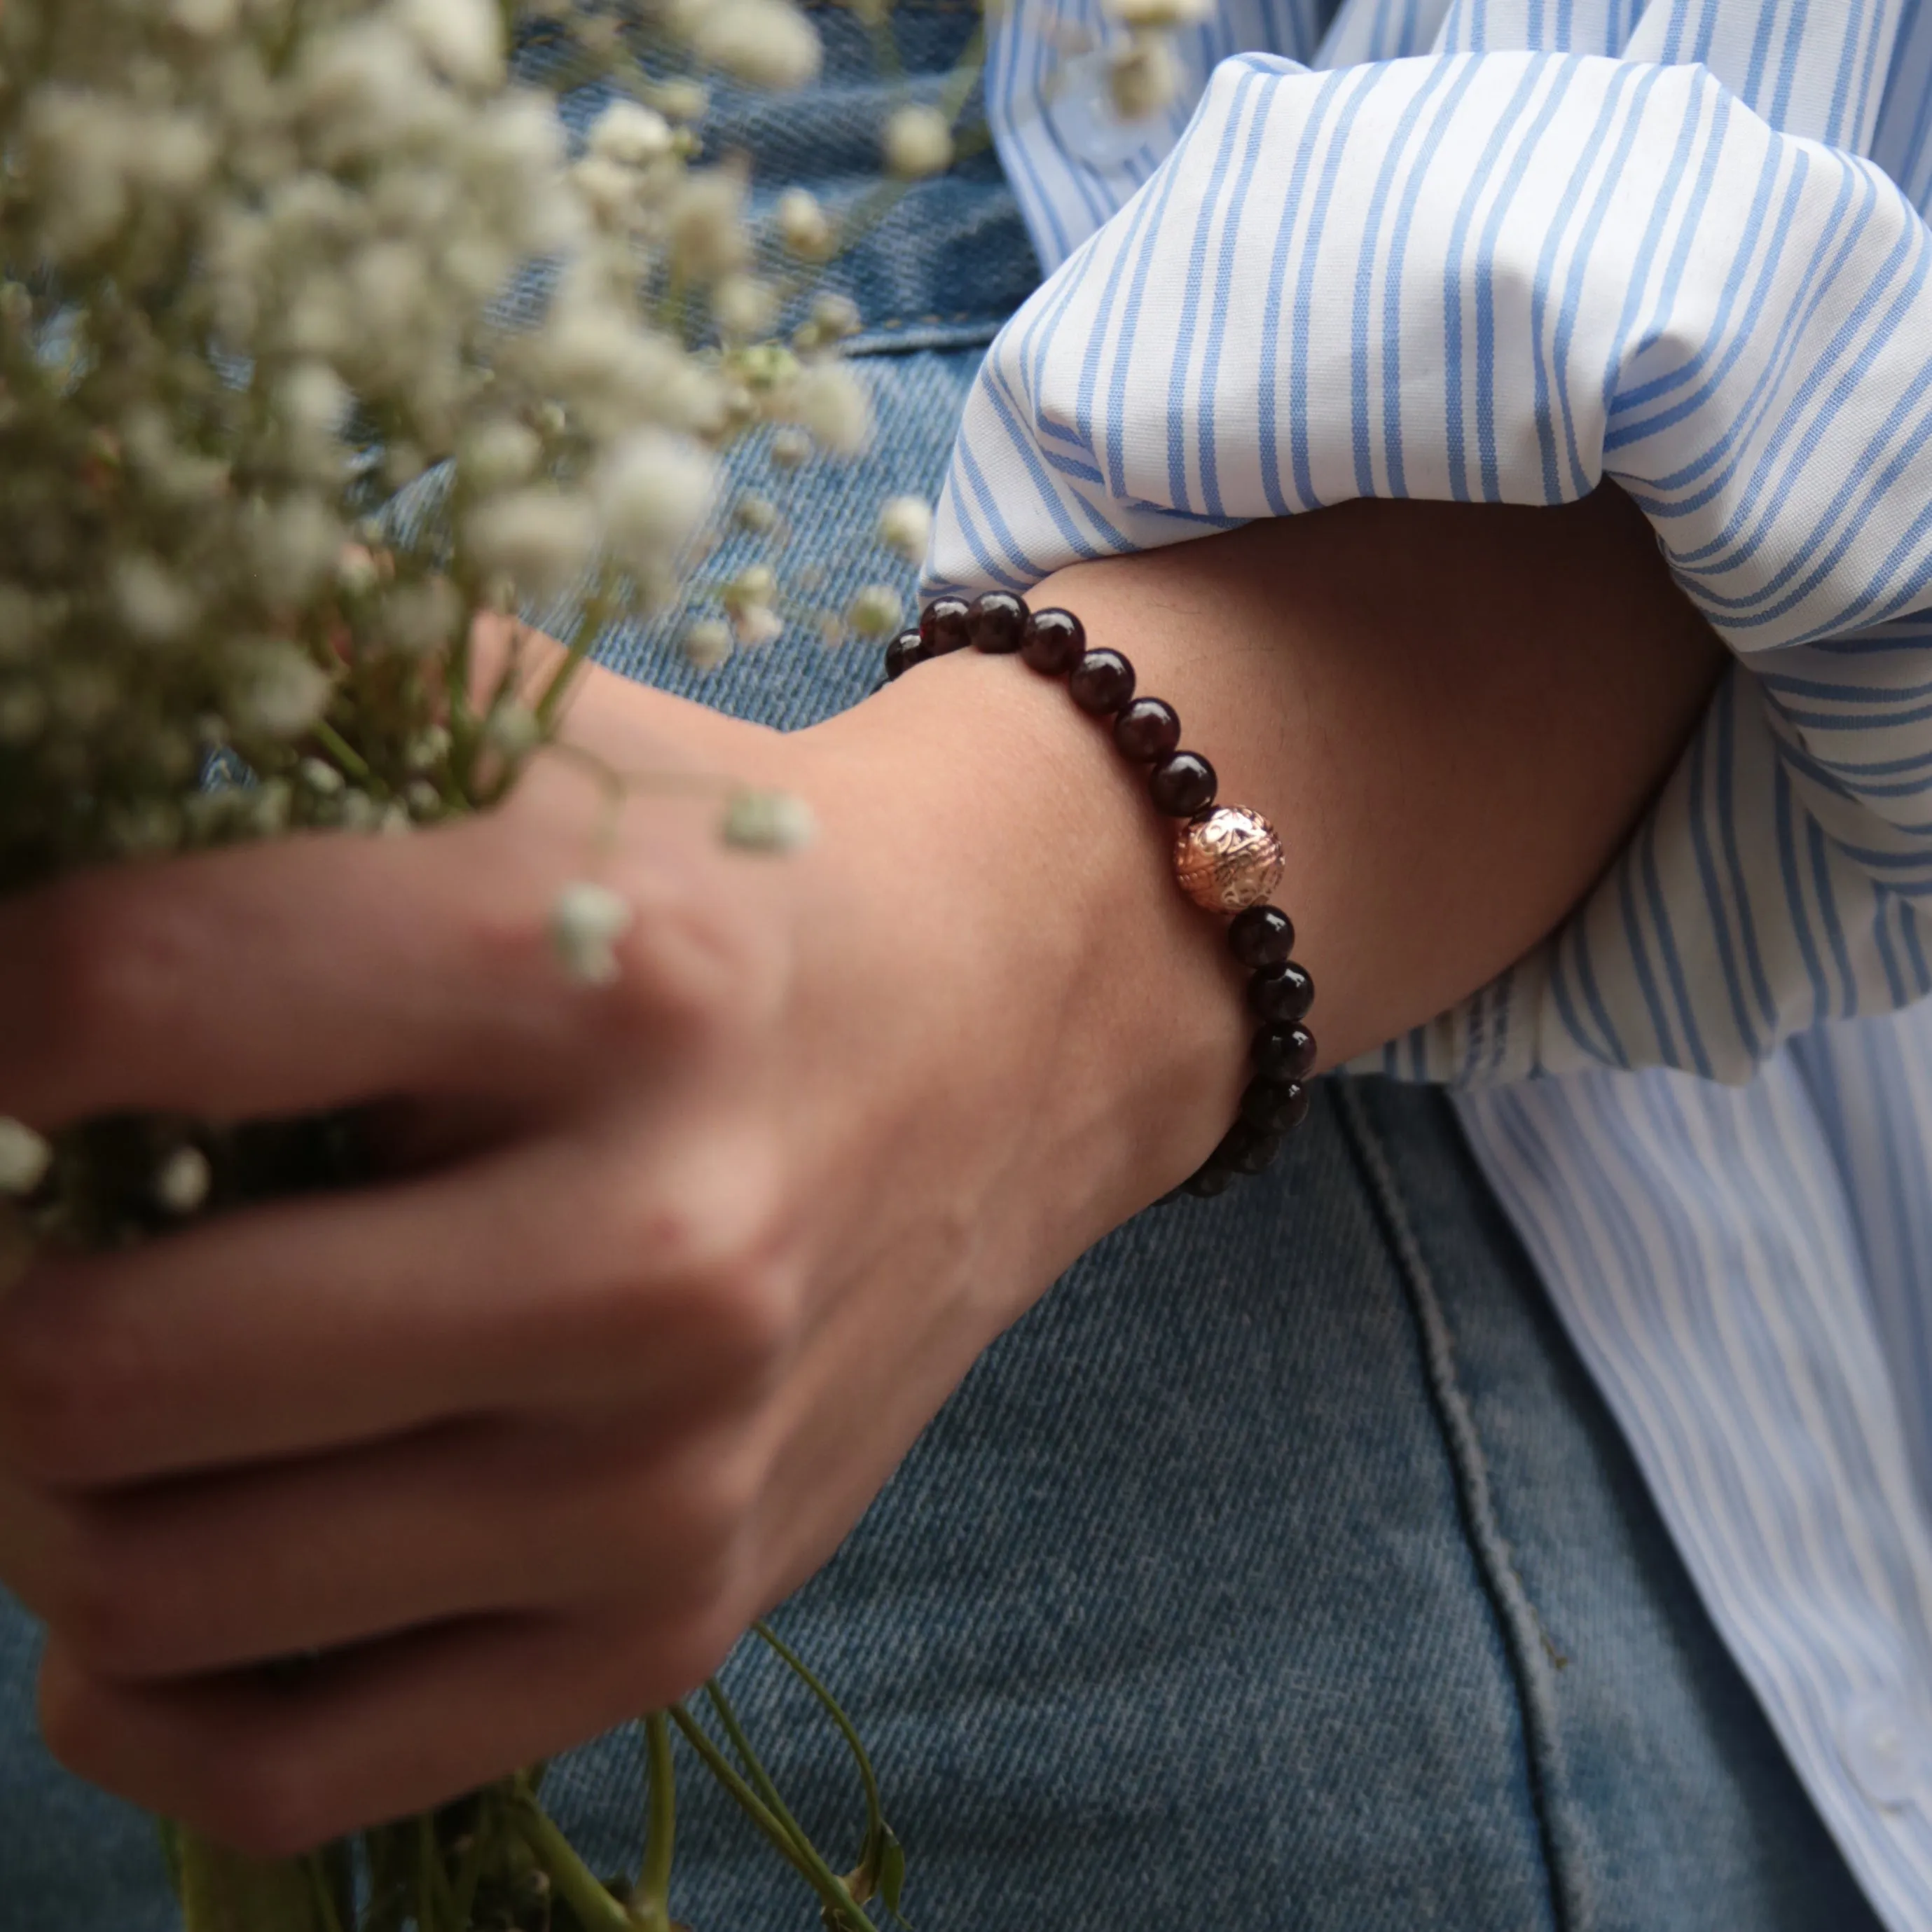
1281, 1570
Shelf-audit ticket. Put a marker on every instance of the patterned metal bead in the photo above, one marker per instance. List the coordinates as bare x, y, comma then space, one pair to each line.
1228, 859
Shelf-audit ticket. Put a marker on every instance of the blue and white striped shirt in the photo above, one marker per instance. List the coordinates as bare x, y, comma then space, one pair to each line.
1495, 250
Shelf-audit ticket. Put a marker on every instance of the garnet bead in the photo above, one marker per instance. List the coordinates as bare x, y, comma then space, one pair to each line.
1275, 1108
1263, 935
1284, 1053
1208, 1181
1181, 784
1245, 1149
998, 623
1056, 640
942, 627
903, 652
1101, 682
1283, 992
1147, 730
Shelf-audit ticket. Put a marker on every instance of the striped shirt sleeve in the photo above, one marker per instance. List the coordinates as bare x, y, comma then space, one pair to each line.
1566, 243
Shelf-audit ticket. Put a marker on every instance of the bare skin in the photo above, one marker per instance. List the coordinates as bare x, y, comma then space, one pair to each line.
526, 1436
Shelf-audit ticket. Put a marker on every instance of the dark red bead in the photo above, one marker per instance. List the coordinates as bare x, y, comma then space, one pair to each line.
998, 623
1182, 785
903, 652
1263, 935
1056, 640
1207, 1181
1102, 682
1284, 992
1147, 730
1275, 1107
1284, 1053
1245, 1149
943, 625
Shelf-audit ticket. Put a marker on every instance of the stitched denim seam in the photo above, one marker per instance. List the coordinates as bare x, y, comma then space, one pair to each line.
1517, 1623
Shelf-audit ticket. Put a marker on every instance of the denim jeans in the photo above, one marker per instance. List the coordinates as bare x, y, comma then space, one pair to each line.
1280, 1569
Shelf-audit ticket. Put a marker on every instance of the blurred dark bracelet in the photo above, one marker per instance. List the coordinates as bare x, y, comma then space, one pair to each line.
1226, 857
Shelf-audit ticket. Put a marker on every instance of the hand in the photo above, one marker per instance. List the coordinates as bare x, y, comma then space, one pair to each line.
679, 1269
676, 1270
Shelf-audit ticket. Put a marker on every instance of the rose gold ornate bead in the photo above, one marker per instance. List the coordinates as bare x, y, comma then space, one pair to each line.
1228, 859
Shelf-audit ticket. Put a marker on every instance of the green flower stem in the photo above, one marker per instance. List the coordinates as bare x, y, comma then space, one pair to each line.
652, 1906
596, 1910
741, 1793
223, 1891
429, 1859
875, 1815
594, 619
325, 1901
339, 748
470, 1872
830, 1886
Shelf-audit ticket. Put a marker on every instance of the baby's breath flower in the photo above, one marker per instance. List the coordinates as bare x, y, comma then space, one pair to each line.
654, 490
827, 399
277, 692
24, 1158
804, 226
757, 625
1158, 14
499, 454
705, 225
742, 307
905, 527
875, 611
153, 603
768, 821
763, 43
631, 134
834, 316
540, 538
463, 39
681, 100
791, 449
181, 1183
707, 644
512, 730
917, 142
418, 618
1143, 77
585, 923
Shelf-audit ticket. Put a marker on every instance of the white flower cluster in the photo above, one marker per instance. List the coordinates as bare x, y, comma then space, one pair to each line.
1143, 72
263, 262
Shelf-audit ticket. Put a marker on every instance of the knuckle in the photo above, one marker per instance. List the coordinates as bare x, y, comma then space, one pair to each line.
700, 966
753, 1305
675, 1654
706, 1517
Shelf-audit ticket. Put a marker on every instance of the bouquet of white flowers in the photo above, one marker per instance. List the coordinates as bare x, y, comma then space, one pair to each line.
327, 357
267, 263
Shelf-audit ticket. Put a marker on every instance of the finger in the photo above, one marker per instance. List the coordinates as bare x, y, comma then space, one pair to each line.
213, 1574
322, 971
275, 1767
572, 1273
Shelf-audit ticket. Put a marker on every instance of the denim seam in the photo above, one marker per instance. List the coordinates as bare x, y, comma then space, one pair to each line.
1525, 1643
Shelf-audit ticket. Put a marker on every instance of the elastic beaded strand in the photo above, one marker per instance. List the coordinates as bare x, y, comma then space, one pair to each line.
1182, 785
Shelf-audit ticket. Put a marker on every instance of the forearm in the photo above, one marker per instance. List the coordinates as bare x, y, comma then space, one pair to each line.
1454, 716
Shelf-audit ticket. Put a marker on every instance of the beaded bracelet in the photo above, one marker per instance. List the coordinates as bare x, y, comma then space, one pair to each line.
1226, 858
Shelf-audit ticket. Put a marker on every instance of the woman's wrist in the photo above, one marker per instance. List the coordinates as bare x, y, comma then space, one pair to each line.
1034, 897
